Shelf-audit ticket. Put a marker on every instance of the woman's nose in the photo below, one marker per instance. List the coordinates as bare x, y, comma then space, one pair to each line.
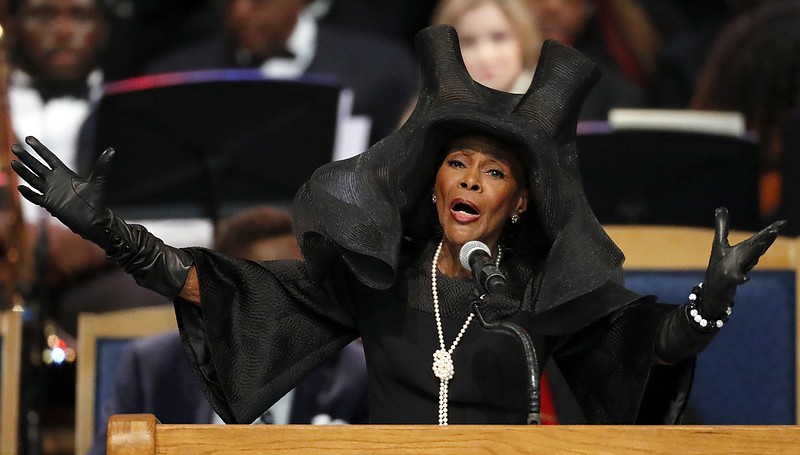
470, 182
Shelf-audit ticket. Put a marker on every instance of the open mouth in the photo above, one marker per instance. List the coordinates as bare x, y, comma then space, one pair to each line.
464, 211
465, 207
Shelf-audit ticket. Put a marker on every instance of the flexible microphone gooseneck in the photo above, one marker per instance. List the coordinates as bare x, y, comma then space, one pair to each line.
477, 257
531, 363
488, 278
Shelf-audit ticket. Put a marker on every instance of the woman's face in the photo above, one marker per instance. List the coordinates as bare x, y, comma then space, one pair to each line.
490, 47
478, 187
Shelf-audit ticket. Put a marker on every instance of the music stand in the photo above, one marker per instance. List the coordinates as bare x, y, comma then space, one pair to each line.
206, 144
669, 177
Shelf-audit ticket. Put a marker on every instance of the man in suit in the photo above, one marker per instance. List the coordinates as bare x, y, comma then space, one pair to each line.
284, 38
153, 376
55, 80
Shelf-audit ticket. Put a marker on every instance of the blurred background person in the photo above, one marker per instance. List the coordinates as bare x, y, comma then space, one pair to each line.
617, 36
499, 43
56, 47
153, 375
55, 51
686, 49
284, 38
753, 68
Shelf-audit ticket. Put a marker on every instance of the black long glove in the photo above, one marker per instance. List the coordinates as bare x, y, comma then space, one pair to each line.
80, 204
679, 335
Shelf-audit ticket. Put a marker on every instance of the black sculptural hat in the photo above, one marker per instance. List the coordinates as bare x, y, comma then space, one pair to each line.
358, 210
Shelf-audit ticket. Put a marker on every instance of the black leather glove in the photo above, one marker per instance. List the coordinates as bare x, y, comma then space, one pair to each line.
729, 265
679, 335
79, 203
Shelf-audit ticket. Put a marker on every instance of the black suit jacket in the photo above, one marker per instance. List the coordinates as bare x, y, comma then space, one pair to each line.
153, 377
380, 72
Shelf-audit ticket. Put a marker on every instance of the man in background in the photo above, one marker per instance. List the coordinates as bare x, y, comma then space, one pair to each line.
153, 375
56, 47
285, 39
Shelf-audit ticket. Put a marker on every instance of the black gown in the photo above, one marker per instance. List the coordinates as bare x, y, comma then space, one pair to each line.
263, 326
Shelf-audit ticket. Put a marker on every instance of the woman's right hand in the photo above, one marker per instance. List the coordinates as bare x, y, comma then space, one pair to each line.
77, 202
80, 204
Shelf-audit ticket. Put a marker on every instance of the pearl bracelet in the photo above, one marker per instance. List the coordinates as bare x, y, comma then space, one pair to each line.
695, 298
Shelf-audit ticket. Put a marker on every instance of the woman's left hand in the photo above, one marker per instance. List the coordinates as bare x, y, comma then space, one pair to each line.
729, 265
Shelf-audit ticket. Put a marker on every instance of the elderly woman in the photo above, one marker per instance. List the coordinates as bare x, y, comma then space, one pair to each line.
380, 235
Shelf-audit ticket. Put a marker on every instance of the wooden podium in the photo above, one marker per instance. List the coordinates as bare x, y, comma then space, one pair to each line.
142, 434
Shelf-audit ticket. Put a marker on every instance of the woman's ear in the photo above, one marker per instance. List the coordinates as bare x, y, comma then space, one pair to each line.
522, 203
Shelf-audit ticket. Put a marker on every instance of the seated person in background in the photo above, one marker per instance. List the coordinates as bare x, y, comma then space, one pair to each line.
499, 43
56, 47
153, 375
283, 38
752, 69
578, 23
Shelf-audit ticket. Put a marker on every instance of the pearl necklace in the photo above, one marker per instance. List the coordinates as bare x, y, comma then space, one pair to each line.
443, 358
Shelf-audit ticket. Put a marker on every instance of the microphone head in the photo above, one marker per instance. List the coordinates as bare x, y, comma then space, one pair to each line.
469, 248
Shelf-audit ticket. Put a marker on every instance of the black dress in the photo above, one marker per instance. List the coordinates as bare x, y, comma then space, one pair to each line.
263, 326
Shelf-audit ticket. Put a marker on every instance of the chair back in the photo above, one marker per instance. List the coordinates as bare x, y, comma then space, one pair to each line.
748, 375
101, 337
10, 364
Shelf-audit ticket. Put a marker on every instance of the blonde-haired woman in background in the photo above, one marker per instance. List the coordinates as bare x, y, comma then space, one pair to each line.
499, 42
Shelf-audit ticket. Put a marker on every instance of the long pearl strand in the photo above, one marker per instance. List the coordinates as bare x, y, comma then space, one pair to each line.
443, 358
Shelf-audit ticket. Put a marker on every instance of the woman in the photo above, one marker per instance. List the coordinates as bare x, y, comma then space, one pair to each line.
380, 263
499, 41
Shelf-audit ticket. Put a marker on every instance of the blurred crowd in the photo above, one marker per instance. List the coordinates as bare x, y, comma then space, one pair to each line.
714, 55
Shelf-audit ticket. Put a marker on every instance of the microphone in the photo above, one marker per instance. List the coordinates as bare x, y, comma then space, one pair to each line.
476, 257
531, 362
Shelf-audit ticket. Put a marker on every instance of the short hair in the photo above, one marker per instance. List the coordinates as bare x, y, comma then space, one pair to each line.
518, 13
233, 235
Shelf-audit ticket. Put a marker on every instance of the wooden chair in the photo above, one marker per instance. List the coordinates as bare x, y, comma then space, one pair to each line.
748, 375
10, 364
141, 434
101, 337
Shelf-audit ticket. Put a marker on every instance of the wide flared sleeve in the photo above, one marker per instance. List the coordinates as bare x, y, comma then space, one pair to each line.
260, 328
609, 367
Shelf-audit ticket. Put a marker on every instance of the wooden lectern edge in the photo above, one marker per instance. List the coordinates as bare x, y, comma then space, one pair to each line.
132, 434
142, 434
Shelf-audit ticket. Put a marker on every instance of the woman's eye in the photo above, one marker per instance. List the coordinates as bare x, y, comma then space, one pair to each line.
497, 173
455, 163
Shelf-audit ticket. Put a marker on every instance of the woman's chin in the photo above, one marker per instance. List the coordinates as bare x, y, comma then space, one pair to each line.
460, 234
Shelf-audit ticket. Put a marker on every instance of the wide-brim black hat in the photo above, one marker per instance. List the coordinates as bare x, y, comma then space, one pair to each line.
358, 210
